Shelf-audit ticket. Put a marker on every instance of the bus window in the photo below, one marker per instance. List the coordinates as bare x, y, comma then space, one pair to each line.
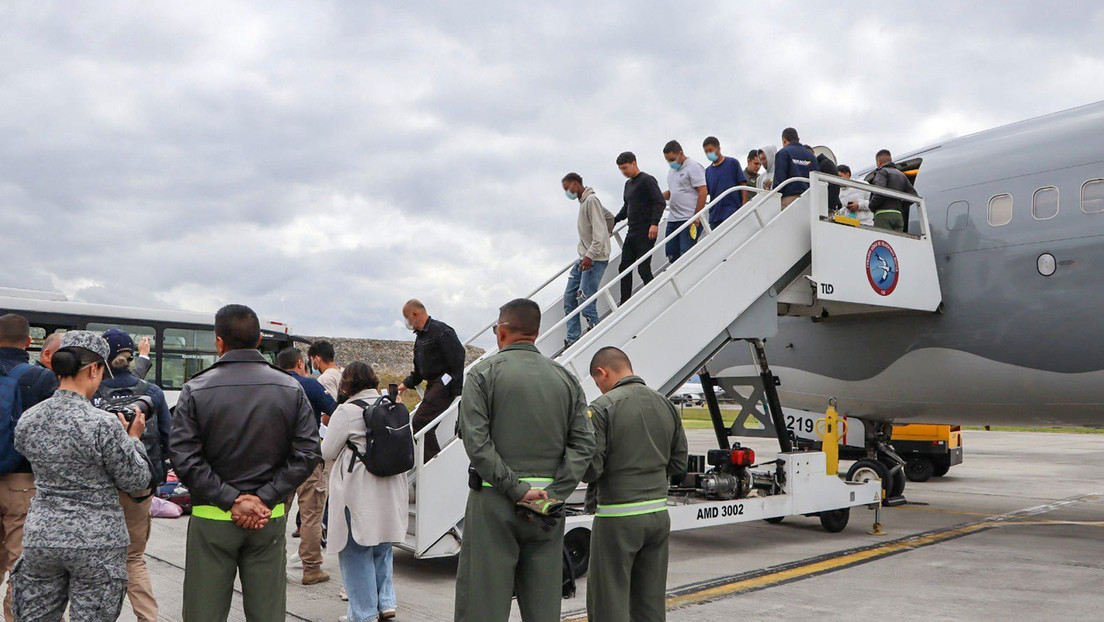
136, 332
38, 335
184, 353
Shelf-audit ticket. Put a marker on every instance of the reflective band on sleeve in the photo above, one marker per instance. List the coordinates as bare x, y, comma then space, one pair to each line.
887, 211
632, 509
211, 512
536, 483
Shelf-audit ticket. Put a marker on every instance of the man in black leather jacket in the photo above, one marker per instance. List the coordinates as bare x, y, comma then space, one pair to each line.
889, 212
244, 438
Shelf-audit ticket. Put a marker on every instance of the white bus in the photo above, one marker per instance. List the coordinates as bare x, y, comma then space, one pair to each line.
183, 342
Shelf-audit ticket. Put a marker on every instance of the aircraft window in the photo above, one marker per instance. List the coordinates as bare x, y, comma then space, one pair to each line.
1044, 205
958, 215
1000, 210
1092, 196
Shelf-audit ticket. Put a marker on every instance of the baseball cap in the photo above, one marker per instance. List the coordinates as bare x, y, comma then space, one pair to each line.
119, 342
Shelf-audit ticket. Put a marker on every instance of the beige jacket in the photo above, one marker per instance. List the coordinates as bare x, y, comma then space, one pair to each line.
595, 227
331, 380
379, 506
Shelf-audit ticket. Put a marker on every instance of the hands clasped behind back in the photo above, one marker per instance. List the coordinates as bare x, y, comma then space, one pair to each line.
249, 512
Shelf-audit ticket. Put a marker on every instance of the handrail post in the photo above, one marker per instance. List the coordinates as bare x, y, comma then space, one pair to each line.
609, 299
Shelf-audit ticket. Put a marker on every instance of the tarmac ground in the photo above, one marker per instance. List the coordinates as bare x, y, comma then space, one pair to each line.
1014, 533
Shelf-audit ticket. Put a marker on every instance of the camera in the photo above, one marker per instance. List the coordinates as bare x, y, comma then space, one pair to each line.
125, 406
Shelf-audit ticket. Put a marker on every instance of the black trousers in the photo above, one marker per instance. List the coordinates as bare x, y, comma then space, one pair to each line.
436, 400
634, 249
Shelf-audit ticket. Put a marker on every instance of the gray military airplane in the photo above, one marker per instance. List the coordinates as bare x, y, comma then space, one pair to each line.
1017, 219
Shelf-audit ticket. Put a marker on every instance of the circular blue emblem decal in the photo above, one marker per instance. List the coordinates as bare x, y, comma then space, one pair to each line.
881, 267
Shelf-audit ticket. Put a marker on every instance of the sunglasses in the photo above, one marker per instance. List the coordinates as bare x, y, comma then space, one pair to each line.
494, 327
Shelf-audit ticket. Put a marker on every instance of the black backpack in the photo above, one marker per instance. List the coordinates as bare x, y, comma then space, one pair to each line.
151, 438
11, 407
390, 448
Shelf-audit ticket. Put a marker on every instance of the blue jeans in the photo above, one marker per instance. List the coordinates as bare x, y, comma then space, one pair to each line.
680, 245
587, 282
368, 575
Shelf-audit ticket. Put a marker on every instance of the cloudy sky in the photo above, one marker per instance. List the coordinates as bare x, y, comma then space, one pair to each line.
325, 161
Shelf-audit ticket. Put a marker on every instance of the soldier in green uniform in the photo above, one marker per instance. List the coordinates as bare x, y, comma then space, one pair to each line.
641, 445
523, 419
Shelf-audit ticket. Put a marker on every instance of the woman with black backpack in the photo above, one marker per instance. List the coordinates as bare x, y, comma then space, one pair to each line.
367, 512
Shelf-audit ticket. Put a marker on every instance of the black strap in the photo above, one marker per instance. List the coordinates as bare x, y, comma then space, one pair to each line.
352, 446
356, 455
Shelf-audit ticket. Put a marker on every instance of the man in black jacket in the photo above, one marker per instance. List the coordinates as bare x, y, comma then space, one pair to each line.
828, 167
244, 438
439, 361
889, 212
36, 383
643, 208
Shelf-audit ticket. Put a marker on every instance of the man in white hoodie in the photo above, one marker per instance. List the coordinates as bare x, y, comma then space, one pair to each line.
766, 174
595, 226
856, 203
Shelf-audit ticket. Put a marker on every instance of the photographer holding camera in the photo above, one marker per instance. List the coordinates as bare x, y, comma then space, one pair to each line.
75, 537
123, 389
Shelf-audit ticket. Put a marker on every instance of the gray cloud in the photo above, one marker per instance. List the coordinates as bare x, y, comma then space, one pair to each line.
325, 162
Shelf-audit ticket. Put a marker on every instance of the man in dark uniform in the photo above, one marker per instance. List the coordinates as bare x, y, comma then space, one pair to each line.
828, 167
524, 424
49, 345
312, 494
17, 487
439, 361
793, 160
244, 438
889, 211
124, 384
643, 208
640, 445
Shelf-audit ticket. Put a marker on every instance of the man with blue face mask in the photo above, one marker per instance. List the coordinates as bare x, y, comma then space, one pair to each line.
595, 224
723, 174
685, 194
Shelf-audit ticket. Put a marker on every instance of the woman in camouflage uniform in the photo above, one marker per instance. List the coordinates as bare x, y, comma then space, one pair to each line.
75, 539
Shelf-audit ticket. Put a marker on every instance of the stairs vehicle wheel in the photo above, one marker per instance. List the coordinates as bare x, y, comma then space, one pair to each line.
834, 521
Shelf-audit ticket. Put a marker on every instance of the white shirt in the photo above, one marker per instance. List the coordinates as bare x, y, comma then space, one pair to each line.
683, 185
862, 198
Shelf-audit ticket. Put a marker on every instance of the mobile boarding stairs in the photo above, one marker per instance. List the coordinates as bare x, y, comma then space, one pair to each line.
760, 263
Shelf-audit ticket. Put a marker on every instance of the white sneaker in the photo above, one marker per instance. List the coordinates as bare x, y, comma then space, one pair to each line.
344, 595
388, 614
295, 560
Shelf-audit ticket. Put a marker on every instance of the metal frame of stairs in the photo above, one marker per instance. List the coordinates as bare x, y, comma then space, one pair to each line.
725, 288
